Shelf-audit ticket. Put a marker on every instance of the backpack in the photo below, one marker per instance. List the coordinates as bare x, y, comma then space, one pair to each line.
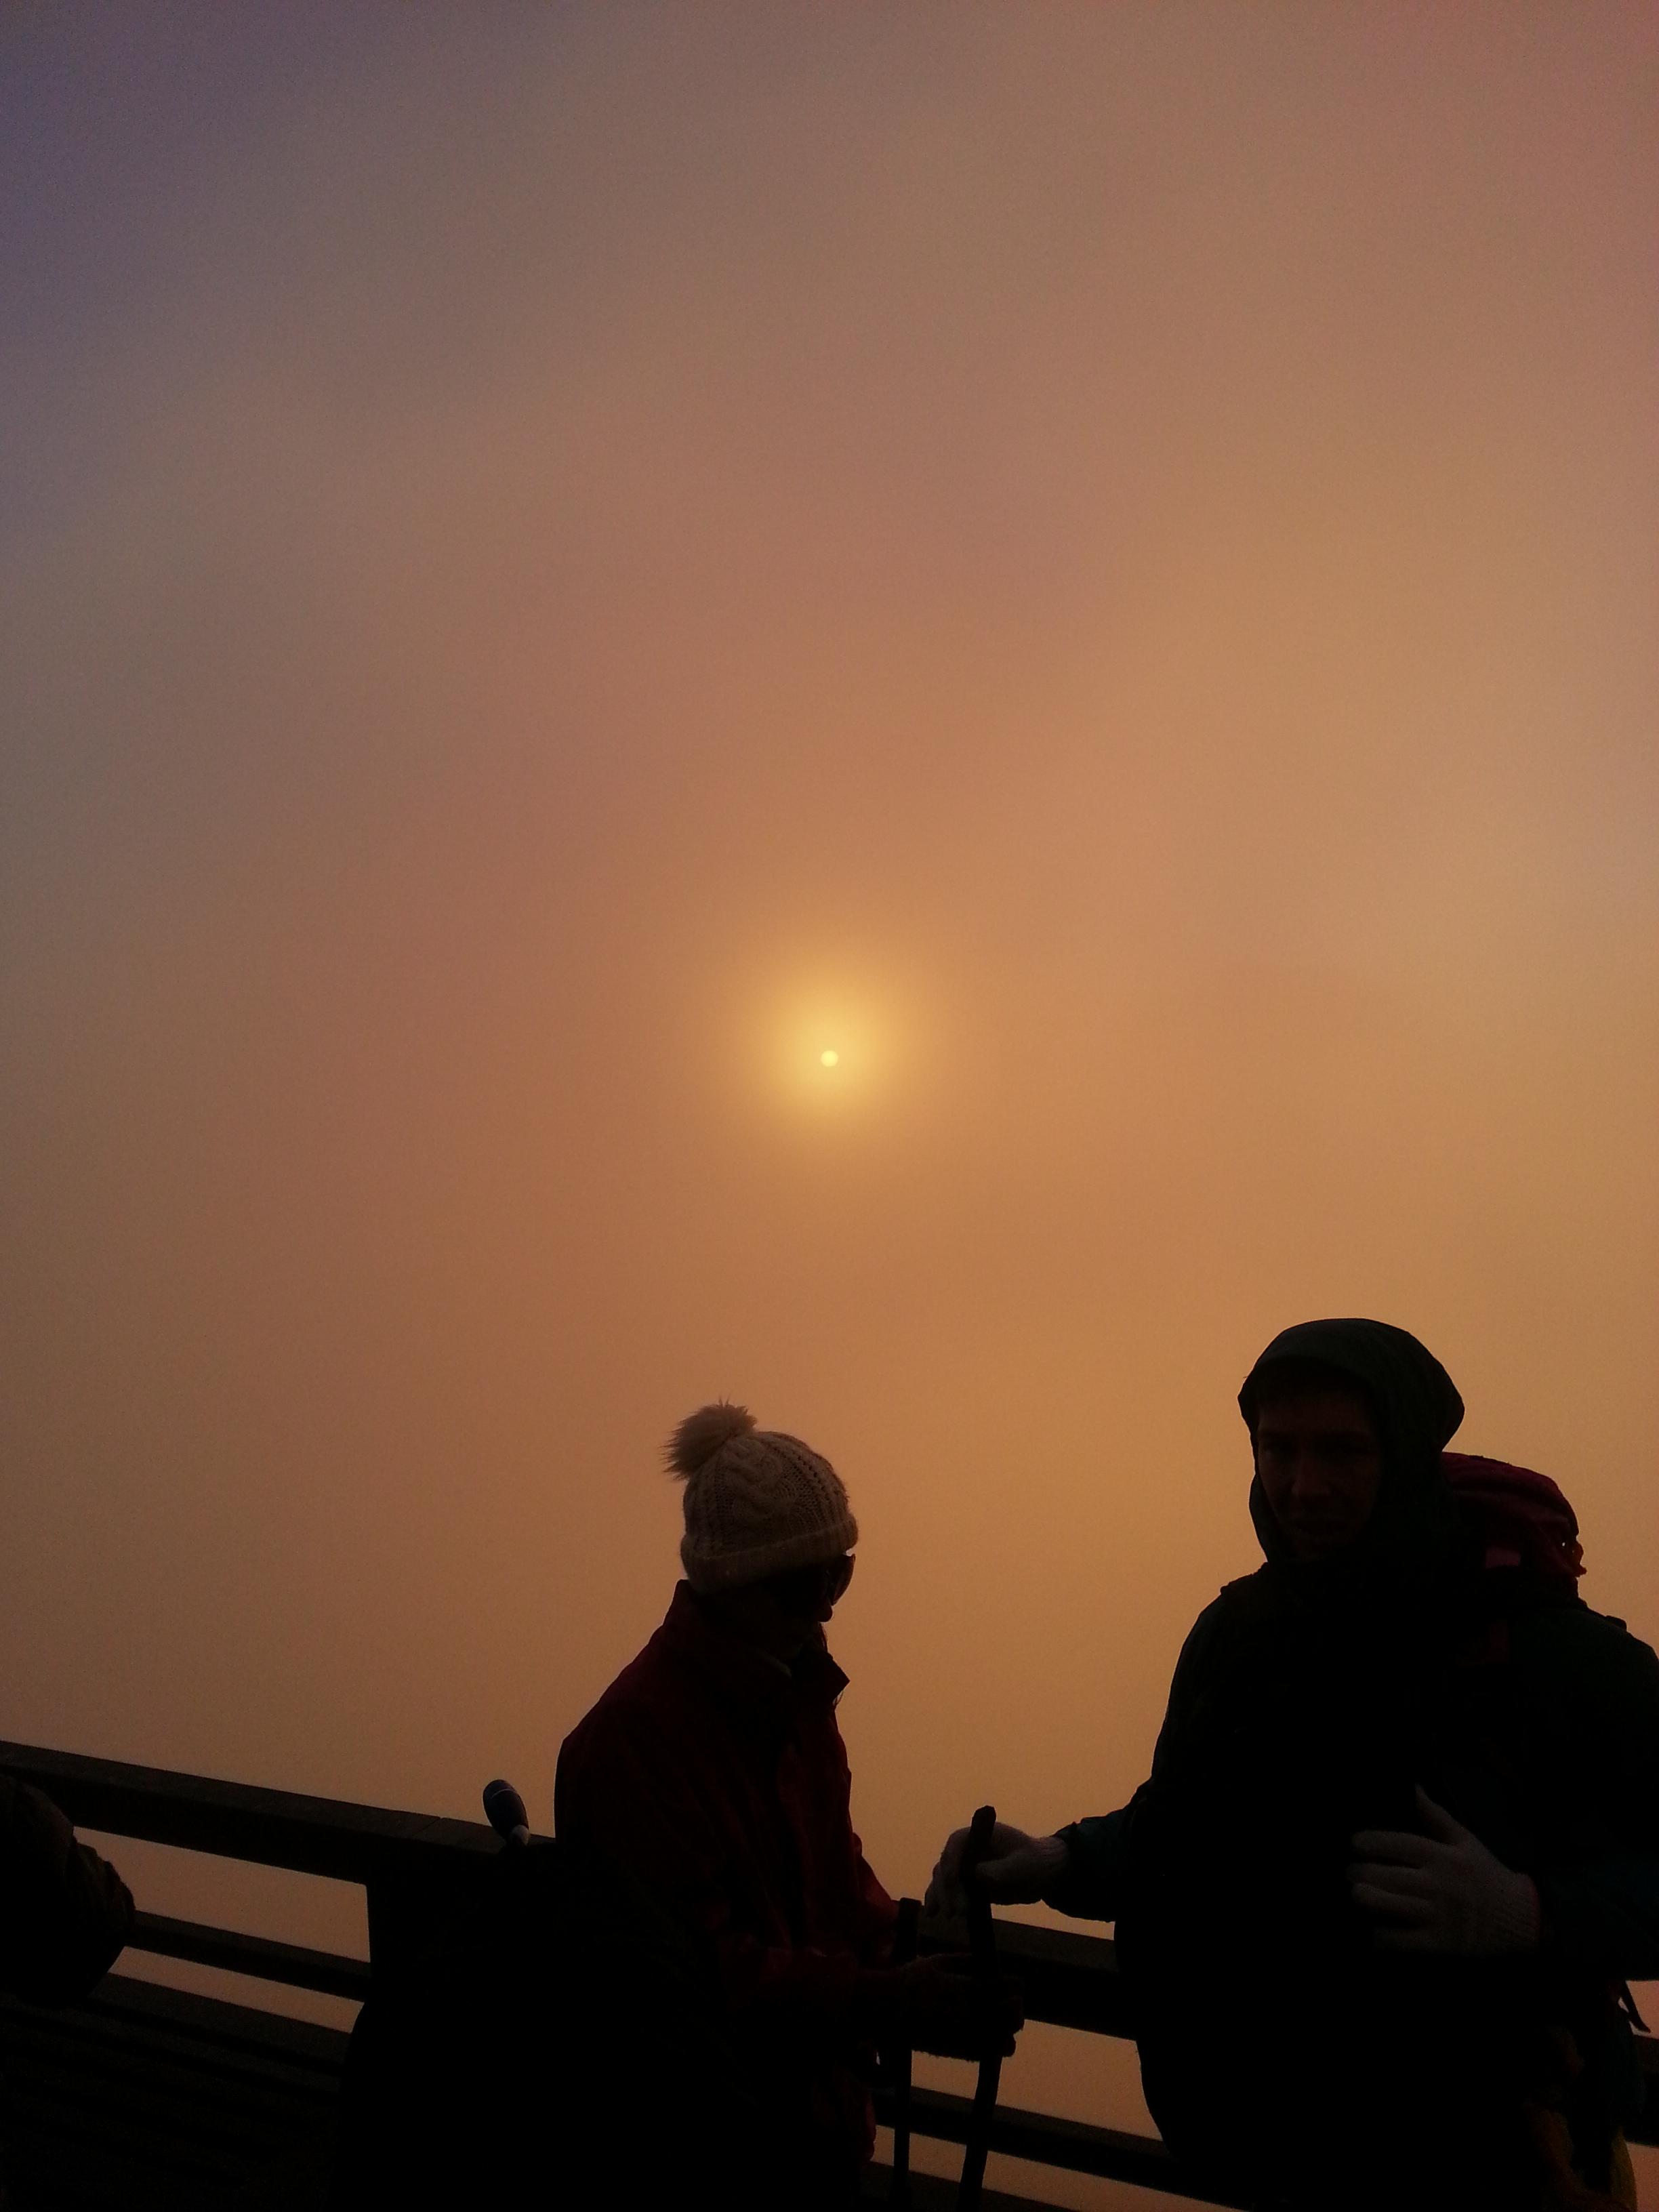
565, 2047
1520, 1518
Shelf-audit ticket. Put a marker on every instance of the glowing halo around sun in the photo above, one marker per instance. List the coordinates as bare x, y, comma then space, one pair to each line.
831, 1051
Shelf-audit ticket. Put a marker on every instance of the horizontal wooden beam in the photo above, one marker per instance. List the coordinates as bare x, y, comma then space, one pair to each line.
1075, 2146
235, 1820
1067, 1979
294, 1965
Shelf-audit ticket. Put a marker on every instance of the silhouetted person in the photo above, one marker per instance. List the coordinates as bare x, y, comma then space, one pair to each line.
712, 1771
65, 1914
1400, 1847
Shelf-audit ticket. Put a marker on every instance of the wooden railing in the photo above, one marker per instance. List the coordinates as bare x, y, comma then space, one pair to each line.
418, 1870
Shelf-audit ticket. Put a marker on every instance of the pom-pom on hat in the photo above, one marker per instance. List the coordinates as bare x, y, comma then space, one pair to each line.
758, 1502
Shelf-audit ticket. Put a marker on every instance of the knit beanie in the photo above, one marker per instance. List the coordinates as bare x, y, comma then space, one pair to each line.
757, 1503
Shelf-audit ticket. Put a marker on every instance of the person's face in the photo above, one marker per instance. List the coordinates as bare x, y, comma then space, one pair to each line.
1319, 1461
780, 1613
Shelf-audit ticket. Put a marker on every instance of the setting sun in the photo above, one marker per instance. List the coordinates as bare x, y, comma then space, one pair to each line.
829, 1058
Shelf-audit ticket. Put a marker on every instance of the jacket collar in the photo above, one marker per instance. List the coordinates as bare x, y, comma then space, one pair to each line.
744, 1679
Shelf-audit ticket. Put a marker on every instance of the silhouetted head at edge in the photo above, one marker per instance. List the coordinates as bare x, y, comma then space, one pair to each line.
1348, 1420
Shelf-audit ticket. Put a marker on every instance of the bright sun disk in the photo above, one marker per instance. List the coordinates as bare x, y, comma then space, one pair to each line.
829, 1058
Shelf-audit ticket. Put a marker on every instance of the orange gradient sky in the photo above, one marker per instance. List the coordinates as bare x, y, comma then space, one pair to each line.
556, 563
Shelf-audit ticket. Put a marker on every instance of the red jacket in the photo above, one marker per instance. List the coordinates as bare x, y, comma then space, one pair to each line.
717, 1778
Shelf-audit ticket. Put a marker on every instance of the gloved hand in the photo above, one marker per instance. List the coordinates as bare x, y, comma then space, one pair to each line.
940, 2005
1016, 1870
1442, 1891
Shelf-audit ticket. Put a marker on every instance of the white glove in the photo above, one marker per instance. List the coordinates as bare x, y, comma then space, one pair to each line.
1442, 1891
1017, 1869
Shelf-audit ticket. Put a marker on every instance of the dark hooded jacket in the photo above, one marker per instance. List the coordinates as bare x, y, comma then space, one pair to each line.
1280, 2049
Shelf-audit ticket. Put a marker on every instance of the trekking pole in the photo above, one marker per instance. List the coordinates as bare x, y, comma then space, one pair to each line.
905, 1938
982, 1949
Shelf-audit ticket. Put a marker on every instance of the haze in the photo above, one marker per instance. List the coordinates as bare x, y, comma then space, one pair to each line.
556, 564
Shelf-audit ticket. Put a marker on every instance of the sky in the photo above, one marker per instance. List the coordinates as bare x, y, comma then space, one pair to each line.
558, 563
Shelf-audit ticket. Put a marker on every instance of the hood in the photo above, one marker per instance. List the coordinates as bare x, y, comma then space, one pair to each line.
1416, 1409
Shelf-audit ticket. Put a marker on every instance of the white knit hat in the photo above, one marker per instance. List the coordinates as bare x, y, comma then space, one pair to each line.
756, 1502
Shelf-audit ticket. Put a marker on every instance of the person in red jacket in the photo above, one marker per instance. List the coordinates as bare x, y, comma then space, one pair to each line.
713, 1772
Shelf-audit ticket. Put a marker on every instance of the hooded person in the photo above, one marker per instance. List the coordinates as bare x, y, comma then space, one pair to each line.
1400, 1846
712, 1773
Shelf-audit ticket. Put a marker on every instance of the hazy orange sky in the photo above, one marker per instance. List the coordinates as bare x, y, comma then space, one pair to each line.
556, 563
